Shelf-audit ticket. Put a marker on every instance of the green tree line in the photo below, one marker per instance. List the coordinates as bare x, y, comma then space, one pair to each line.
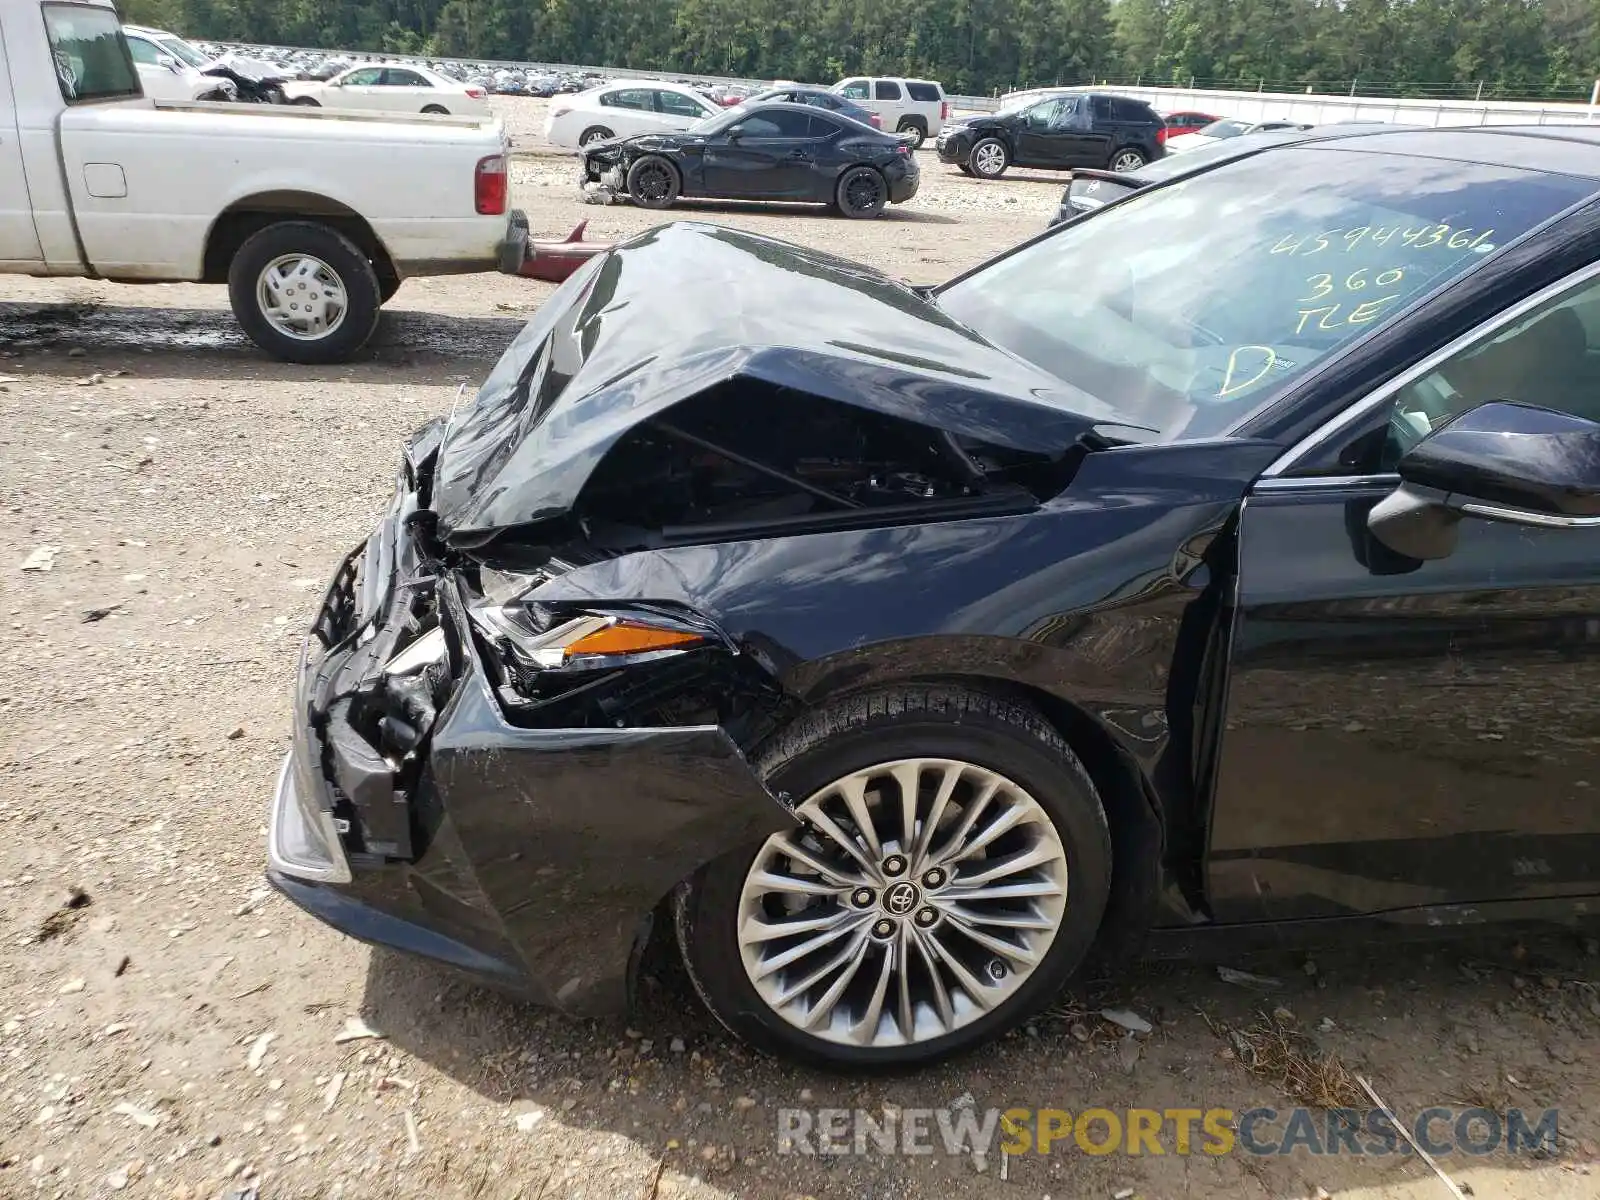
1519, 48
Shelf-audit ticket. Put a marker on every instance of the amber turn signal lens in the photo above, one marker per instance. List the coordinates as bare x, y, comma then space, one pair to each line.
623, 638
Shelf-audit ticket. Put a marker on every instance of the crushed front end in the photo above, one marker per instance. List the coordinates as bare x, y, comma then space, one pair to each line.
460, 790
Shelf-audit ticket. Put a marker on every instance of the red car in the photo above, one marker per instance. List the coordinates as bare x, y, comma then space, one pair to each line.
1183, 122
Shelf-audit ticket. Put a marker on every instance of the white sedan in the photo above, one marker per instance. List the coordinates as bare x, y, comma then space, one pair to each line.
623, 109
391, 87
1228, 127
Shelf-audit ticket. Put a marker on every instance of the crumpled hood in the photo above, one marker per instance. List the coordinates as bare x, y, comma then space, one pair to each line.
686, 307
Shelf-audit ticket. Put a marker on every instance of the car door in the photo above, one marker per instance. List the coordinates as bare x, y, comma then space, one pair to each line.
357, 89
400, 89
628, 111
766, 156
1045, 133
19, 240
1404, 734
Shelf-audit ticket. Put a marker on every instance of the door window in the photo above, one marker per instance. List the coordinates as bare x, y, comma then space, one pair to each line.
143, 51
91, 55
775, 125
365, 77
397, 77
1044, 115
676, 104
1102, 108
855, 89
639, 98
1550, 358
886, 89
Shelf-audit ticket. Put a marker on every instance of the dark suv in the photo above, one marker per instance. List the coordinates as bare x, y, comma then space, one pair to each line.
1059, 131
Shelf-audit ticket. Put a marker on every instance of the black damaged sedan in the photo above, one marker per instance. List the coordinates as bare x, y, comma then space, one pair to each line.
1225, 563
793, 152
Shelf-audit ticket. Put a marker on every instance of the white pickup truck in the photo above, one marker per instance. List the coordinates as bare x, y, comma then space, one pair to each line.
311, 216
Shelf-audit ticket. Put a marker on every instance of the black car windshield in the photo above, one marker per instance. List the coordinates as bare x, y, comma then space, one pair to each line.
1187, 306
719, 121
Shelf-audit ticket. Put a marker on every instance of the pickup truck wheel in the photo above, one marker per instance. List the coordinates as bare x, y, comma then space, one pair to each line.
304, 292
915, 127
653, 182
862, 192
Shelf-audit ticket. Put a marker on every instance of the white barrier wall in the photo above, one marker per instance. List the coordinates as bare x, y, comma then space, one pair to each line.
1313, 109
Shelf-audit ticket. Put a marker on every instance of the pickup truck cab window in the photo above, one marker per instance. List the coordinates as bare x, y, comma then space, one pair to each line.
91, 55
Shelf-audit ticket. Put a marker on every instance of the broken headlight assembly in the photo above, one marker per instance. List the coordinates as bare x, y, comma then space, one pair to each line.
634, 665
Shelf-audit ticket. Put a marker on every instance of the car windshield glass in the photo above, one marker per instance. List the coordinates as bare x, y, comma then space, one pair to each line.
717, 122
1225, 129
183, 52
1192, 304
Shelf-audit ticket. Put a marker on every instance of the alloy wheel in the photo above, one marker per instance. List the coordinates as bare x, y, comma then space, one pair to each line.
1128, 160
301, 296
918, 896
653, 181
863, 191
989, 159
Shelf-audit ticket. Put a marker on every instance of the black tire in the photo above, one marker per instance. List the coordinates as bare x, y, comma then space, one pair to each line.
653, 182
966, 170
595, 133
306, 102
1126, 158
861, 193
989, 158
436, 110
916, 126
829, 743
344, 258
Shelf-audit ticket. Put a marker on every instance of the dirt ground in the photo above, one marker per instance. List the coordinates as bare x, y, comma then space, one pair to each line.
170, 1028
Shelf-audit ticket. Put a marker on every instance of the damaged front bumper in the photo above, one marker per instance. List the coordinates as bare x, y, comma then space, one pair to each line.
530, 858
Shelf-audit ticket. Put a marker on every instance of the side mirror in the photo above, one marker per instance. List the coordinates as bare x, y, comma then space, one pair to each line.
735, 134
170, 63
1499, 462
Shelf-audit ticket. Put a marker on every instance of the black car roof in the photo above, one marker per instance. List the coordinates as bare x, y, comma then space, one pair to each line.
1554, 149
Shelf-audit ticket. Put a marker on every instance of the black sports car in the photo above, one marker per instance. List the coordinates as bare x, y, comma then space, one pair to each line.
1225, 562
1056, 131
760, 152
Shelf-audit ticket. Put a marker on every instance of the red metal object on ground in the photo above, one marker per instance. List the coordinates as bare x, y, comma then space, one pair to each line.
553, 260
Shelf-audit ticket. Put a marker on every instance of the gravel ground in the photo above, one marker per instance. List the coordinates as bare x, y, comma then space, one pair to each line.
169, 1028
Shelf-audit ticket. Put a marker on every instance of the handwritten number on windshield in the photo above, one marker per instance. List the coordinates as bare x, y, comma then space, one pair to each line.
1420, 237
